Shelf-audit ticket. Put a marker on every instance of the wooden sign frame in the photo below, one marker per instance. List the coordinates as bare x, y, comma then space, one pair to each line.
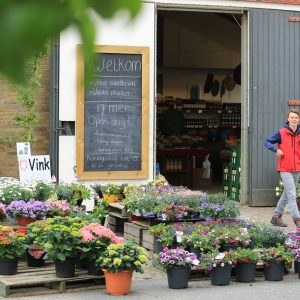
94, 175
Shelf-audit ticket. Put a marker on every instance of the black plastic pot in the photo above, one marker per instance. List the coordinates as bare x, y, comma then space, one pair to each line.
158, 245
93, 269
197, 252
81, 263
35, 262
296, 266
65, 268
268, 244
221, 275
245, 272
274, 271
178, 277
8, 266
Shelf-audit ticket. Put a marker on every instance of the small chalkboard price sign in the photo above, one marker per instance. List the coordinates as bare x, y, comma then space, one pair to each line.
112, 130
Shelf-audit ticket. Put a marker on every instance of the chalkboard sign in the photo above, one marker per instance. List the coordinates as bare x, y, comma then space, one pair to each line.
112, 114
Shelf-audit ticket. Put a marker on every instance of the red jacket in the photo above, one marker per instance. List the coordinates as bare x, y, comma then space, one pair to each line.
290, 145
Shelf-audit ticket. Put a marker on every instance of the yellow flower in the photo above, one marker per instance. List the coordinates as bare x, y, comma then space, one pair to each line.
48, 245
137, 263
111, 252
107, 260
117, 261
126, 257
142, 258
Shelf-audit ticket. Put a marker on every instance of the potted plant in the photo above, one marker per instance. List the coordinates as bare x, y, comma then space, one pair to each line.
118, 262
26, 212
274, 259
58, 208
100, 210
43, 190
157, 231
268, 236
177, 262
246, 260
35, 240
12, 247
16, 191
111, 192
219, 264
63, 246
95, 239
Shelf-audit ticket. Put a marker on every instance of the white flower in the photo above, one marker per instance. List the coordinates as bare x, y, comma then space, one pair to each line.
277, 194
277, 189
230, 262
222, 265
196, 262
214, 265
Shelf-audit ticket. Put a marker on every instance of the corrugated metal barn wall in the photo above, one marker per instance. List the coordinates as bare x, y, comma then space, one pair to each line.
274, 79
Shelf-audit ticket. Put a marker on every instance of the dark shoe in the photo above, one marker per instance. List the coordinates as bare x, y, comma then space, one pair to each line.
277, 221
297, 222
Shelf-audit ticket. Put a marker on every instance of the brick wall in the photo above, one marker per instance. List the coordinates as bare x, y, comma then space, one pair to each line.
8, 108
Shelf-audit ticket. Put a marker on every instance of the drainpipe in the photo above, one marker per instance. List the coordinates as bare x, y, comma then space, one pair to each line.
54, 107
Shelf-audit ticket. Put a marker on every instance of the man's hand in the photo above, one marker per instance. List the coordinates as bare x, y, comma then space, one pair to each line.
279, 153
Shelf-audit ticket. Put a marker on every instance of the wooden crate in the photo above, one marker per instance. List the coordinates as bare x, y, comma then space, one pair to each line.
148, 241
117, 209
41, 281
134, 232
116, 224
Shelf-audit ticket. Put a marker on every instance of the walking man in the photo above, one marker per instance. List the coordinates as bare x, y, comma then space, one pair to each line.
288, 154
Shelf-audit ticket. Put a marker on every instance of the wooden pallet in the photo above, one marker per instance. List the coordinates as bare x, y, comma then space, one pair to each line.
40, 281
134, 232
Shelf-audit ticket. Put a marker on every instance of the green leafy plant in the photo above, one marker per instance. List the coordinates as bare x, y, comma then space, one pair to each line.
43, 190
12, 243
120, 257
100, 210
62, 242
157, 230
276, 254
15, 192
214, 259
74, 193
243, 255
111, 189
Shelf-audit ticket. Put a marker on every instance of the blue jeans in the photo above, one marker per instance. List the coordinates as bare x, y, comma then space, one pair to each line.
289, 194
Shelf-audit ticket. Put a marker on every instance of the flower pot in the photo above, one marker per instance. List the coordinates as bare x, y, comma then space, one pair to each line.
118, 283
245, 272
24, 221
197, 252
228, 247
35, 262
178, 277
93, 269
158, 246
81, 263
221, 275
274, 271
8, 266
65, 268
296, 266
268, 244
110, 197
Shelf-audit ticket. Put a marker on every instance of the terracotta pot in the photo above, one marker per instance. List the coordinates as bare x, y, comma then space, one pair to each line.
118, 283
24, 221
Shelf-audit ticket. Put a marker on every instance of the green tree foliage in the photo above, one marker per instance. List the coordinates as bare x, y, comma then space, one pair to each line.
27, 24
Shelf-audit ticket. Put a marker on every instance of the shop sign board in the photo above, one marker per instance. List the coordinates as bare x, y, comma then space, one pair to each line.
34, 168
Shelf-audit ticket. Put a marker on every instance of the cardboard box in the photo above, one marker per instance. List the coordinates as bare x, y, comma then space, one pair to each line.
199, 181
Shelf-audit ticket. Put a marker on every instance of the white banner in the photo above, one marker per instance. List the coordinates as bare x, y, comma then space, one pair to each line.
34, 168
